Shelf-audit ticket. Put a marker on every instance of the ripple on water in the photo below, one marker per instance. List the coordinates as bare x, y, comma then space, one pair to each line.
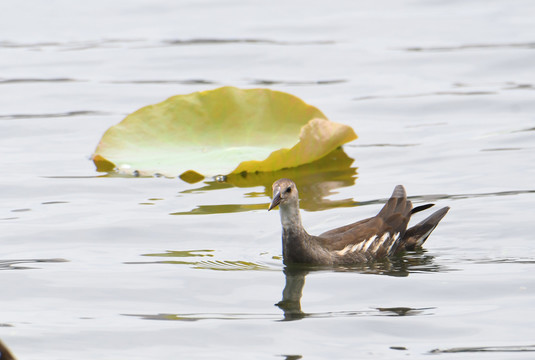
482, 349
54, 115
191, 258
495, 46
16, 264
401, 266
290, 313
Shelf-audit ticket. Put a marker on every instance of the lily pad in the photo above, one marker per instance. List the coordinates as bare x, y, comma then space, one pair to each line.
222, 131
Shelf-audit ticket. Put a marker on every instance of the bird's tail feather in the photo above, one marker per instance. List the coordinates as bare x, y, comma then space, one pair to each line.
416, 235
421, 208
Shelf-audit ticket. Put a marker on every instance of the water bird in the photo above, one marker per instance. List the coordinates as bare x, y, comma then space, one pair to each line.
383, 235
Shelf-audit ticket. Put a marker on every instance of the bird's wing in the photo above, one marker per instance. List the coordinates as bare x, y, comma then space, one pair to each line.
378, 234
352, 234
345, 228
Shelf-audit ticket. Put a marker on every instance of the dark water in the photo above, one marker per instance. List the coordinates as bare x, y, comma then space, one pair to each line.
98, 266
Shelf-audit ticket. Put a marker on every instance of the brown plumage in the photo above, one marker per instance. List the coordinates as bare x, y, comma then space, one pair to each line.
374, 238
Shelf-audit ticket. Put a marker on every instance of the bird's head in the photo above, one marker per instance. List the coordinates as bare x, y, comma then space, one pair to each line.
284, 192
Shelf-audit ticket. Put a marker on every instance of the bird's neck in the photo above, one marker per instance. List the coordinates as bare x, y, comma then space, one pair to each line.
295, 240
291, 218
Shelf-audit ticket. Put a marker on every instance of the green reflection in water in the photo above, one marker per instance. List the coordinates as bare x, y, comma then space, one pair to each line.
220, 265
223, 208
315, 181
183, 253
497, 349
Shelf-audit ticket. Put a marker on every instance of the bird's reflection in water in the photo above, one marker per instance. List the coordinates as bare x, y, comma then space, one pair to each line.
292, 293
401, 266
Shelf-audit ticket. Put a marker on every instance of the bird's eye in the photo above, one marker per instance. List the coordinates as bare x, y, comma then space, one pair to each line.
289, 190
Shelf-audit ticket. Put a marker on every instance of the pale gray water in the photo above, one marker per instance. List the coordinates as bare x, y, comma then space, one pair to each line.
441, 94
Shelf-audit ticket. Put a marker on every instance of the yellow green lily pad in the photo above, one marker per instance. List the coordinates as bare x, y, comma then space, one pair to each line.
222, 131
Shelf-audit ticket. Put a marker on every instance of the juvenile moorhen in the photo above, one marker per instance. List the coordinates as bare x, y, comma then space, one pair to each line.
383, 235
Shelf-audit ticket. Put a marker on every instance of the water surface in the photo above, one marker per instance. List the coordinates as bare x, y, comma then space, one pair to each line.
102, 266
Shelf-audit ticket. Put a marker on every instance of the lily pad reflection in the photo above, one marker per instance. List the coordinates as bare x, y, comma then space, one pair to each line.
316, 181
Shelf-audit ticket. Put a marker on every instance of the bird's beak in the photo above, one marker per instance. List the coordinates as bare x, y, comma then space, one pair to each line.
276, 199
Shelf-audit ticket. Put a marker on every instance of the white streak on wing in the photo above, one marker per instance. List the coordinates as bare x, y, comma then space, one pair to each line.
373, 244
366, 244
388, 243
382, 240
393, 245
344, 250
